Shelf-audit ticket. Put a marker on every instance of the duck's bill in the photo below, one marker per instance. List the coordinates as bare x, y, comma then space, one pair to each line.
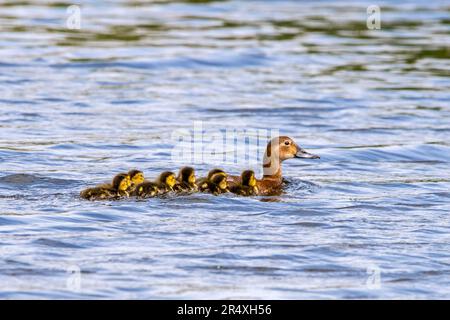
301, 153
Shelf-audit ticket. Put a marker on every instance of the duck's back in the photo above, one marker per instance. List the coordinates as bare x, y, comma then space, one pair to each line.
146, 189
245, 190
98, 193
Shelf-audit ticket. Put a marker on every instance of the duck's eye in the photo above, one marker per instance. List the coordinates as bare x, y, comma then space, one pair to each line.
287, 143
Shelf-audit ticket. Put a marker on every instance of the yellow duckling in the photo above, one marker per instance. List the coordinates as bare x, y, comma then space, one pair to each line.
136, 178
247, 187
118, 188
166, 181
203, 182
146, 190
186, 180
217, 184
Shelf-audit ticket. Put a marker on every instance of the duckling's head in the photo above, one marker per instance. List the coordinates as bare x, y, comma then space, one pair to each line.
136, 177
168, 178
220, 181
213, 172
248, 178
187, 175
121, 182
127, 178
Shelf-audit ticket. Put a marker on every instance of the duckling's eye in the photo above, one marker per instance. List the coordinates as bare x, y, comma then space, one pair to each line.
287, 143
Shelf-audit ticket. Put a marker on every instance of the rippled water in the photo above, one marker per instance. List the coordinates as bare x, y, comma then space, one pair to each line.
77, 106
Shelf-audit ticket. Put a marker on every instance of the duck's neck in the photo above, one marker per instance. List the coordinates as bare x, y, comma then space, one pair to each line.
272, 164
272, 171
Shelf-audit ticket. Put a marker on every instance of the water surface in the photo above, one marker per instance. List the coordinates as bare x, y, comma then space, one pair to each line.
78, 106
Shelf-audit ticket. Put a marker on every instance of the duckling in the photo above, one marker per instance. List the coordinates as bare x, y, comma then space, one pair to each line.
203, 182
186, 180
136, 178
116, 189
248, 184
218, 184
166, 181
146, 189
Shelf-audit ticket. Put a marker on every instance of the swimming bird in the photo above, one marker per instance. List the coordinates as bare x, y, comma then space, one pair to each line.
278, 150
166, 181
202, 183
136, 178
146, 189
217, 184
186, 180
247, 187
117, 188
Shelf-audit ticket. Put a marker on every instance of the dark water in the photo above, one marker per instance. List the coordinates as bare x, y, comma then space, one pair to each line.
77, 106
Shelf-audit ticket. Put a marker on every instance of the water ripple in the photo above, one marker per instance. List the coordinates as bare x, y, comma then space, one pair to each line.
79, 106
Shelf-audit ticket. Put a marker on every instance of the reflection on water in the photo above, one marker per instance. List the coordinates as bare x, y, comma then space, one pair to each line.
78, 106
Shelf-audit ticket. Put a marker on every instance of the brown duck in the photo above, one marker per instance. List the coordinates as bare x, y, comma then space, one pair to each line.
278, 150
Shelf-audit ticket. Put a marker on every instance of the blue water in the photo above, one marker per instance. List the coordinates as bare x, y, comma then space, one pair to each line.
370, 219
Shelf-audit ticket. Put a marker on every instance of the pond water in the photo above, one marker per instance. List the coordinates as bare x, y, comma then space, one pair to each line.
370, 219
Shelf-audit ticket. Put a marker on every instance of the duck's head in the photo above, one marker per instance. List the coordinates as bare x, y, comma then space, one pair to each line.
187, 175
286, 148
168, 178
280, 149
136, 177
213, 172
248, 178
121, 182
220, 181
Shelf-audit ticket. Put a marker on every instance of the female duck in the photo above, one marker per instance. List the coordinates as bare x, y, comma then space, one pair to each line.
278, 150
118, 188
